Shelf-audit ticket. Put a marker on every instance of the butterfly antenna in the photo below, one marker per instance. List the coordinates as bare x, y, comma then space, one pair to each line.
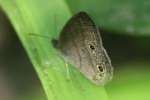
38, 35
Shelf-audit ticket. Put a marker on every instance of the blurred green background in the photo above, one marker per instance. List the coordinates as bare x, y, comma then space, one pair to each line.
125, 29
18, 80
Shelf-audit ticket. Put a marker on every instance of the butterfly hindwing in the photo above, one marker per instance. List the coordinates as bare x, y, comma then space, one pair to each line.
80, 44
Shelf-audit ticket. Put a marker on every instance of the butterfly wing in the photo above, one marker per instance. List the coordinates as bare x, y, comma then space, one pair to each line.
80, 44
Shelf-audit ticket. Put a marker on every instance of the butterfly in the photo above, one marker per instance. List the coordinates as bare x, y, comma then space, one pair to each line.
80, 44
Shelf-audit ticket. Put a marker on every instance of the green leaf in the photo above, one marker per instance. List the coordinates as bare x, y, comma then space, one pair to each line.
47, 17
131, 82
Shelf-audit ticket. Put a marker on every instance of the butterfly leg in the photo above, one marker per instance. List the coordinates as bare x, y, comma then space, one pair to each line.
67, 71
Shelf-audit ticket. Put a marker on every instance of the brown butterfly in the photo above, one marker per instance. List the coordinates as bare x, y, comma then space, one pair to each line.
81, 45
